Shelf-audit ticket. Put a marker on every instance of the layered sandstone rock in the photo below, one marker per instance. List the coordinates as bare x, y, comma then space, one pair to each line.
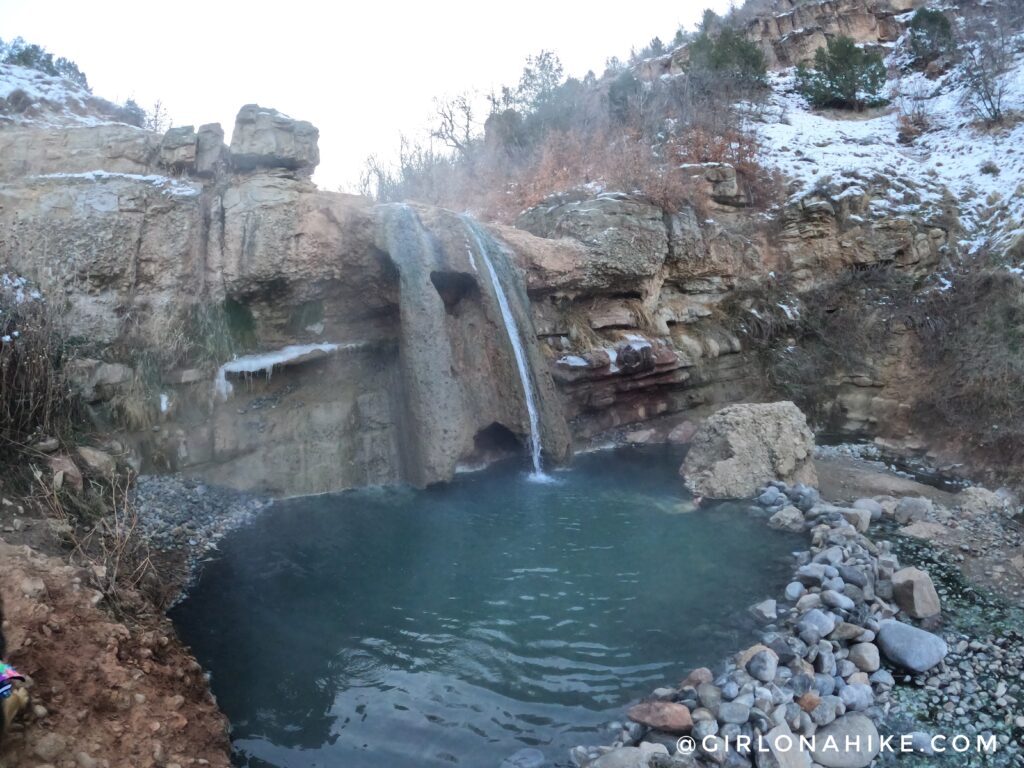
796, 30
791, 31
265, 138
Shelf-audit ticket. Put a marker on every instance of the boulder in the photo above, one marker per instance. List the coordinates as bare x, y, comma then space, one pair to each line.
629, 757
910, 647
910, 509
524, 758
794, 591
781, 750
663, 716
46, 445
865, 656
817, 621
914, 593
742, 447
857, 696
858, 518
872, 506
763, 665
178, 148
924, 529
698, 676
787, 519
830, 743
97, 461
733, 712
265, 138
625, 238
766, 610
210, 149
976, 501
64, 468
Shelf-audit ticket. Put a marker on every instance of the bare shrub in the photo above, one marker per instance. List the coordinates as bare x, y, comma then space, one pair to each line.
18, 102
547, 135
911, 102
972, 342
987, 55
35, 397
102, 529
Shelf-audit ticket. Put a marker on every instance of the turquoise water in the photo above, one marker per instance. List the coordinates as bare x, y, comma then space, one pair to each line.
456, 625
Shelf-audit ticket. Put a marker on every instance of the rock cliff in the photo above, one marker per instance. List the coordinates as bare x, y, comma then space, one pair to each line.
157, 249
790, 31
169, 255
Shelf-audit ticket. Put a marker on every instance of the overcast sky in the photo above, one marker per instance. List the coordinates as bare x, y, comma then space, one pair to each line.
361, 72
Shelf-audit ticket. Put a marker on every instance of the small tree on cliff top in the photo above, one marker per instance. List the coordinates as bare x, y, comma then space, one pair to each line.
843, 76
728, 58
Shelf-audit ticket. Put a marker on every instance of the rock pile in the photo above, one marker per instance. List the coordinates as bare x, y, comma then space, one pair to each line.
818, 668
176, 513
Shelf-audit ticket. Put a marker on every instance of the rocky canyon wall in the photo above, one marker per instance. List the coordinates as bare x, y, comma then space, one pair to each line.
390, 358
373, 350
370, 342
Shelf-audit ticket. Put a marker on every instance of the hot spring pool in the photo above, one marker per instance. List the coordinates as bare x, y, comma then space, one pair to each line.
398, 628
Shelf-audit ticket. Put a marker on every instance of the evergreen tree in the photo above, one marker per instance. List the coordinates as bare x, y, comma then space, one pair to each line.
931, 35
728, 56
844, 76
32, 56
540, 79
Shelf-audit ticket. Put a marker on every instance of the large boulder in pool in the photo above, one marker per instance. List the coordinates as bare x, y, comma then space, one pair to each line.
742, 447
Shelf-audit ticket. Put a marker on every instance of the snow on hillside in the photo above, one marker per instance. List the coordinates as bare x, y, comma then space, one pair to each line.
956, 153
33, 97
169, 186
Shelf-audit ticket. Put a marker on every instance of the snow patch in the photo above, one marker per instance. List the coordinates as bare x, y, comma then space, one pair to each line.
170, 186
53, 101
573, 361
844, 157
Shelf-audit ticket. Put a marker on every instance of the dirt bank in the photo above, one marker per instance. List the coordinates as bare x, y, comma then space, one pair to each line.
105, 694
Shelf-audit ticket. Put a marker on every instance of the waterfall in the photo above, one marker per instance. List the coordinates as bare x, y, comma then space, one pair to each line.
514, 337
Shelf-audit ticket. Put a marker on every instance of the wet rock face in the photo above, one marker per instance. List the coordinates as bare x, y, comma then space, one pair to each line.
741, 447
177, 226
265, 138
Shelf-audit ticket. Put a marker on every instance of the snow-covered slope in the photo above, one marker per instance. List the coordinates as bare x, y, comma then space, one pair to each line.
35, 98
981, 169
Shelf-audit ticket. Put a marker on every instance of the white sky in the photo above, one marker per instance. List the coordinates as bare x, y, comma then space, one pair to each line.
361, 72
